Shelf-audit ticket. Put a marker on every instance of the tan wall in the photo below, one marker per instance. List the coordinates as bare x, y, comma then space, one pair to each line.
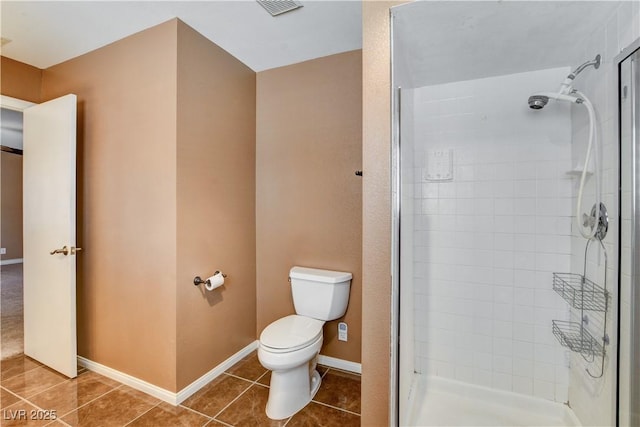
376, 242
11, 191
19, 80
216, 204
127, 201
138, 211
309, 201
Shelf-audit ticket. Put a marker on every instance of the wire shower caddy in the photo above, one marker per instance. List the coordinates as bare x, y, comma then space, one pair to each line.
583, 294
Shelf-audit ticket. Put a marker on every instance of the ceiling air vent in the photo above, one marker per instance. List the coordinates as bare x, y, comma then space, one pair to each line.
278, 7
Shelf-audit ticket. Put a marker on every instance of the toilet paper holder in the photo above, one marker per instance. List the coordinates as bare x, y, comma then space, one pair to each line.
198, 280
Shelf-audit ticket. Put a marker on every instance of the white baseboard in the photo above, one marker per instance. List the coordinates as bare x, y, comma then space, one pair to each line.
131, 381
345, 365
11, 261
186, 392
159, 392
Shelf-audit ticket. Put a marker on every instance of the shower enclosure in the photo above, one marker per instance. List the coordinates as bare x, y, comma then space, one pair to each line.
629, 360
507, 248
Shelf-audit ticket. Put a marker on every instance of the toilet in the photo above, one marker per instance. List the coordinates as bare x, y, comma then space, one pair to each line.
289, 346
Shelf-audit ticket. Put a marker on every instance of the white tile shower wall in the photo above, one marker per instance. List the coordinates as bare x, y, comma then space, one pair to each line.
487, 242
593, 400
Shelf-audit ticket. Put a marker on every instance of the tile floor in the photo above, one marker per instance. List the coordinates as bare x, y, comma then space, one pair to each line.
236, 398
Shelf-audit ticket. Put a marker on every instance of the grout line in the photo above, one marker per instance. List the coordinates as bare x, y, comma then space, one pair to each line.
209, 417
20, 399
154, 406
92, 400
47, 389
230, 403
260, 377
325, 373
335, 407
218, 421
60, 421
240, 378
24, 372
28, 402
10, 392
255, 382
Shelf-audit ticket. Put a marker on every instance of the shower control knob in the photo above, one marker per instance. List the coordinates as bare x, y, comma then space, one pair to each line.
587, 221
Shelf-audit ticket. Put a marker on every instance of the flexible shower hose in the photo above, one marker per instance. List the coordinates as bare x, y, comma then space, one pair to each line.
593, 145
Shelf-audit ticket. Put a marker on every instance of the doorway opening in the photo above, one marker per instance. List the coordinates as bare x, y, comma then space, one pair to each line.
11, 272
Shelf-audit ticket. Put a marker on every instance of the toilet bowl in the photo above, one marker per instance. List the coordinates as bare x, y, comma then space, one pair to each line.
289, 346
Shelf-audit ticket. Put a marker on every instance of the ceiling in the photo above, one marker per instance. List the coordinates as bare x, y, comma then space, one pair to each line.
444, 41
435, 41
45, 33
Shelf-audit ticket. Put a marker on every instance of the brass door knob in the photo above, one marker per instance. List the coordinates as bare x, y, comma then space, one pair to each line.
75, 250
64, 251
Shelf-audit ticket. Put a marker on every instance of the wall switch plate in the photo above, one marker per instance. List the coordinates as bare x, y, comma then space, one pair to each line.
3, 251
439, 165
342, 331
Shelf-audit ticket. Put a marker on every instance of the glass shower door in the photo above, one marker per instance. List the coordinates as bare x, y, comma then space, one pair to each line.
629, 369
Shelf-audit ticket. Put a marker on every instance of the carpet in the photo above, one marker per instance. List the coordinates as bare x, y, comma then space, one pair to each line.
11, 311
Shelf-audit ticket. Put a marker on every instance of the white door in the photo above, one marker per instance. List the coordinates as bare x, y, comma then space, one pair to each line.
49, 179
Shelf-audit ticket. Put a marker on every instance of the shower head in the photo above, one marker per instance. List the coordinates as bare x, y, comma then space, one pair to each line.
537, 101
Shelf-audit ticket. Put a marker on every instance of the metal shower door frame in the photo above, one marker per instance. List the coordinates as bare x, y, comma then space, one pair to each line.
629, 62
394, 375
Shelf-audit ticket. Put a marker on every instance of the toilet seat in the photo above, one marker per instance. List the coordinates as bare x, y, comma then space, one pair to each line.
291, 333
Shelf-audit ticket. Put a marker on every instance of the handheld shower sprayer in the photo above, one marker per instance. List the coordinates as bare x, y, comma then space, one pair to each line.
596, 222
567, 92
539, 100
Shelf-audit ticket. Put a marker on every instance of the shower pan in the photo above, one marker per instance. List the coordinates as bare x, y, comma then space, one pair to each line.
506, 214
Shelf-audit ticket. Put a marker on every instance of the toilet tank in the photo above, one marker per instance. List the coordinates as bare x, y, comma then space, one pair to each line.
320, 294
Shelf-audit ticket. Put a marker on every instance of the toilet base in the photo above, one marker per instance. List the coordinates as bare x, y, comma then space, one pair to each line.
316, 380
291, 390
